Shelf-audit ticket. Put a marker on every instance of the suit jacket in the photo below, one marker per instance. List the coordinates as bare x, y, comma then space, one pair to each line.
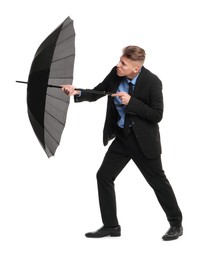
145, 109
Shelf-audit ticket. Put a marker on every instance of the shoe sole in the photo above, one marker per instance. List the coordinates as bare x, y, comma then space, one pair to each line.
173, 238
115, 235
110, 235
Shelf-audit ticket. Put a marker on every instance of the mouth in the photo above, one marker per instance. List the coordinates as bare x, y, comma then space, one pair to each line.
118, 71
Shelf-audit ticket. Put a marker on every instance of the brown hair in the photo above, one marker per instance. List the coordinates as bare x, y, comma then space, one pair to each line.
134, 53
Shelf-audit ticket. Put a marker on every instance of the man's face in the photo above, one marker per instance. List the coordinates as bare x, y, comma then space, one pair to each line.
127, 67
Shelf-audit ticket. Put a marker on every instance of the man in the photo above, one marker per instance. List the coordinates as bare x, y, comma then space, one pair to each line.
133, 114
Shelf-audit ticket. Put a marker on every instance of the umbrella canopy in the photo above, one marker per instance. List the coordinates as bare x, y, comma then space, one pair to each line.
52, 66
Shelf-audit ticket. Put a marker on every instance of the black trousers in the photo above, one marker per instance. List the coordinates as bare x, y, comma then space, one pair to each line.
120, 152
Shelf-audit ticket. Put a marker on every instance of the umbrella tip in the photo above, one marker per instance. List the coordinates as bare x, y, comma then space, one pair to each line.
19, 81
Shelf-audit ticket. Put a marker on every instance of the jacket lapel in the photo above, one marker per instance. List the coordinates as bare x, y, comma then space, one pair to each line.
139, 82
116, 84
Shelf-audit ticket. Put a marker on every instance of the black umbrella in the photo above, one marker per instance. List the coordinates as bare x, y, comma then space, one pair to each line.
52, 67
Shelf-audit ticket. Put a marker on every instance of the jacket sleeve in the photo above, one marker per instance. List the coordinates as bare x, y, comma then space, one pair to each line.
152, 110
103, 86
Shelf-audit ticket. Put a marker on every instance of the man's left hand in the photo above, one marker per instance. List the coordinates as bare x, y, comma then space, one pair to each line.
123, 96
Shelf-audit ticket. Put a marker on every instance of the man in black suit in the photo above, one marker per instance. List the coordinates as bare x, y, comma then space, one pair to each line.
132, 118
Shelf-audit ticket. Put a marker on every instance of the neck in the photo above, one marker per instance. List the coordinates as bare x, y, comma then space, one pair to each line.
131, 77
135, 74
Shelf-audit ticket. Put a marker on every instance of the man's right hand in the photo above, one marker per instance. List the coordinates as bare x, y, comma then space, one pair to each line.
70, 90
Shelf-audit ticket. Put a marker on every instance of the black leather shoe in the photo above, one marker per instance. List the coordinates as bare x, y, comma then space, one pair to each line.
105, 232
173, 233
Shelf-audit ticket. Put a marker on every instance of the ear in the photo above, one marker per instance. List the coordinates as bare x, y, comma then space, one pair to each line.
136, 69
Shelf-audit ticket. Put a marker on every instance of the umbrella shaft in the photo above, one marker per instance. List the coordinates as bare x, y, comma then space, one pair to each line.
82, 90
95, 92
88, 91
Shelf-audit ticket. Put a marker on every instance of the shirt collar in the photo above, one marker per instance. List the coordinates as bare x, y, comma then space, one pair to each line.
133, 81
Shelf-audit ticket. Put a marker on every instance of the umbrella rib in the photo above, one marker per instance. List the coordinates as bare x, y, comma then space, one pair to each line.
56, 98
60, 78
65, 26
54, 118
60, 42
51, 135
53, 61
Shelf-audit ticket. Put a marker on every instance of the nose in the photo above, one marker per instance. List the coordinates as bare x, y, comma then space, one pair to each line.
119, 64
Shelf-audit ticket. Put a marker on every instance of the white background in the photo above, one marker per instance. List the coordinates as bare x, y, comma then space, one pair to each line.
46, 205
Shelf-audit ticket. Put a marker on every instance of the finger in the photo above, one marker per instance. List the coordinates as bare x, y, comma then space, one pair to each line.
63, 87
117, 94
